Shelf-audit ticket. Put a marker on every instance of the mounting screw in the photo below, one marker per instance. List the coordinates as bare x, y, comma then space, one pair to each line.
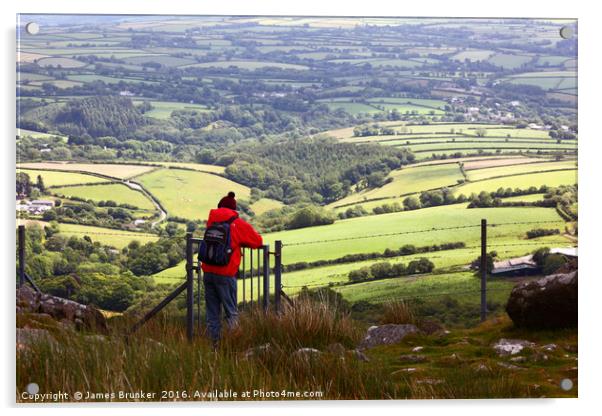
566, 32
32, 28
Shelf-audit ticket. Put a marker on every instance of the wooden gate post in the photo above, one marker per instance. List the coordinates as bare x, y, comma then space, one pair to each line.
266, 277
278, 275
189, 287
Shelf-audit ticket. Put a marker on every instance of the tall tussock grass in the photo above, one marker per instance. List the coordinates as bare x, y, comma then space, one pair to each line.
308, 323
397, 312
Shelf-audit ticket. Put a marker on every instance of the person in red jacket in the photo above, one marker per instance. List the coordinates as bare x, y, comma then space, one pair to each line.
220, 281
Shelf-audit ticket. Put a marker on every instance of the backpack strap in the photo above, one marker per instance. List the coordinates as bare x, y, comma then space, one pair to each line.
231, 220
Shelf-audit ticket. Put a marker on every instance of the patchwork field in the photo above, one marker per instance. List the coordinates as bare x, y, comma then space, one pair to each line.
117, 192
189, 194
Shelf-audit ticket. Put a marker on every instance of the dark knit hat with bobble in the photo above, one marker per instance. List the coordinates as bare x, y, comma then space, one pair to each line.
228, 201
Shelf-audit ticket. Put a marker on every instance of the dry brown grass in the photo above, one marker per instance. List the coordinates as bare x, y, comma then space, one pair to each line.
397, 312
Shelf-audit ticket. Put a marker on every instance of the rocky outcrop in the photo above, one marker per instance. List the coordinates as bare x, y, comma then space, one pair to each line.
63, 310
386, 335
546, 303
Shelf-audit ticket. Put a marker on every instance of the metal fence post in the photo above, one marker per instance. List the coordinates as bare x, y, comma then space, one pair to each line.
483, 270
21, 255
266, 277
258, 277
251, 276
189, 287
199, 280
277, 275
244, 281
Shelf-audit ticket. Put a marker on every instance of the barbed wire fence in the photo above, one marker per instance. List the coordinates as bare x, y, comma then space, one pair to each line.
482, 267
254, 273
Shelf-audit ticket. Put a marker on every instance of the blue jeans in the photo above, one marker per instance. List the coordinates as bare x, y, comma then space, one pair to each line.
220, 291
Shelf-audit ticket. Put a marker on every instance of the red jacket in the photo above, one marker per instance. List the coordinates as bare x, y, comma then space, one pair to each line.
242, 234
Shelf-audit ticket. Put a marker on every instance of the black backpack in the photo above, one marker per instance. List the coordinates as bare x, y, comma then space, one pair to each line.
216, 247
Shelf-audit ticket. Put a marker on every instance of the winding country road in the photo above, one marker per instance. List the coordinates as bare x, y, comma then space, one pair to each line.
136, 186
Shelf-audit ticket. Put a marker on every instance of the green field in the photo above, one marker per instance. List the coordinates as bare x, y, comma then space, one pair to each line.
408, 130
52, 178
264, 205
105, 79
350, 107
28, 76
409, 108
548, 80
440, 104
62, 62
339, 274
524, 198
163, 109
499, 152
353, 230
566, 177
115, 238
250, 65
509, 61
483, 144
378, 62
38, 134
473, 55
169, 61
409, 180
201, 167
117, 192
189, 194
479, 174
429, 286
552, 60
511, 132
445, 216
116, 170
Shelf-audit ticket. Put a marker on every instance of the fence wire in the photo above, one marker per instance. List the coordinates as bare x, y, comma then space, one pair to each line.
426, 230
